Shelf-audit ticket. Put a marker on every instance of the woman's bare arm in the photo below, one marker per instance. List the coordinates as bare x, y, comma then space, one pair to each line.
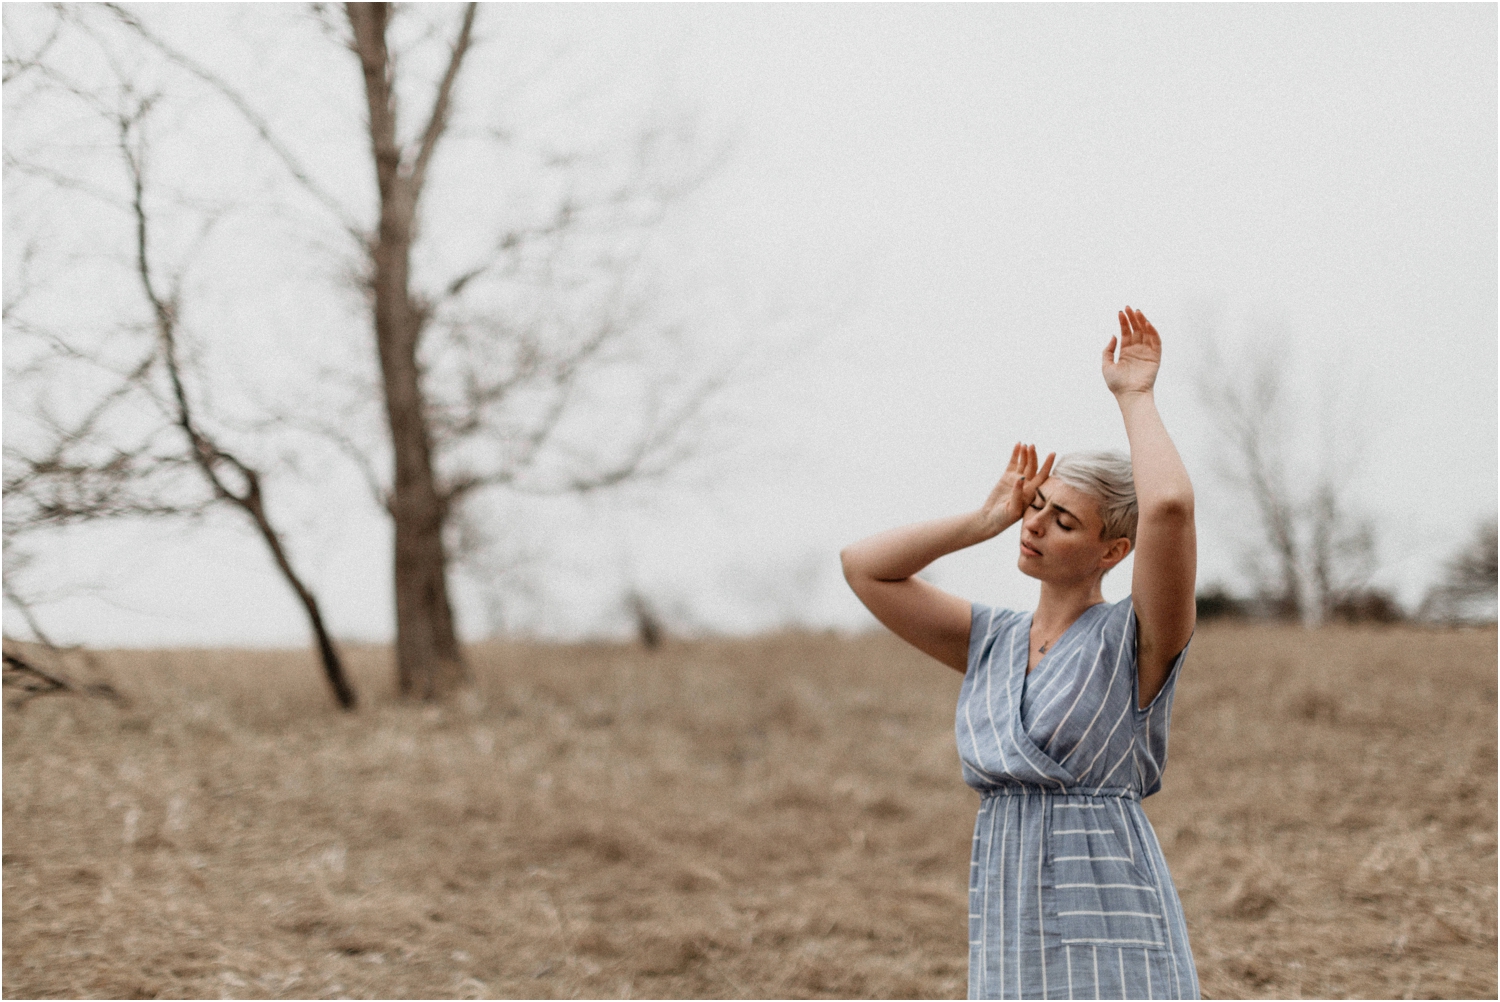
1166, 546
882, 569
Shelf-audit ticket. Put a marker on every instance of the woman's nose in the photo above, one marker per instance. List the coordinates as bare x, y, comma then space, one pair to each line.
1032, 523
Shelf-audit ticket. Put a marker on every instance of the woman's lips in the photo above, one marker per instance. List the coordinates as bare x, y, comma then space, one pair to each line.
1030, 550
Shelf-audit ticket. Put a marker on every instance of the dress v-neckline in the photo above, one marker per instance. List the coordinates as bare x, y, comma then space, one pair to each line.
1031, 670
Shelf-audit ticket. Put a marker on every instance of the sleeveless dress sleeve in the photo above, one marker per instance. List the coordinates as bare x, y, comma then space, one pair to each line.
982, 622
1153, 722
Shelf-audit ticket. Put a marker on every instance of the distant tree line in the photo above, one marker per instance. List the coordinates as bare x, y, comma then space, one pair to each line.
1466, 592
1308, 552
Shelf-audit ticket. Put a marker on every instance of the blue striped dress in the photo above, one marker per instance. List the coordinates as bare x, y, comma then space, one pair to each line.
1069, 895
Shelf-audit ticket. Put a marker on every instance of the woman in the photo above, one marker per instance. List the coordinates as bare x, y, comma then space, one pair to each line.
1062, 715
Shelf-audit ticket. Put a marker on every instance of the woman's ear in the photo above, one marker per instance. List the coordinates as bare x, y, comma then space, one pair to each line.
1118, 550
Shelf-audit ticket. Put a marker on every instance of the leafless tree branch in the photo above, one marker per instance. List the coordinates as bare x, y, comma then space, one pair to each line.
22, 670
33, 681
210, 458
16, 66
247, 111
437, 121
60, 486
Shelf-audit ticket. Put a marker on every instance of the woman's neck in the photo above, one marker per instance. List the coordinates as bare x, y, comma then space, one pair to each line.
1060, 604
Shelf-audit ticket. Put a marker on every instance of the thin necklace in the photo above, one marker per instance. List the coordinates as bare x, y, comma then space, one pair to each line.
1048, 643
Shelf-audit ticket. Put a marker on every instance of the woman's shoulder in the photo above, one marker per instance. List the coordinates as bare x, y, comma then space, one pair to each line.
1122, 611
985, 619
990, 631
1115, 621
1118, 628
989, 626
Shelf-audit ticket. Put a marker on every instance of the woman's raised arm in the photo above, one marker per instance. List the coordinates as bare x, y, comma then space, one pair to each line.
1166, 546
881, 569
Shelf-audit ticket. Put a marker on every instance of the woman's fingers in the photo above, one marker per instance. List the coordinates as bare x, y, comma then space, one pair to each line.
1031, 471
1136, 329
1109, 351
1148, 332
1023, 463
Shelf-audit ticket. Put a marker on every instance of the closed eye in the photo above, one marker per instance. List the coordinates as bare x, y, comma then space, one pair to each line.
1061, 512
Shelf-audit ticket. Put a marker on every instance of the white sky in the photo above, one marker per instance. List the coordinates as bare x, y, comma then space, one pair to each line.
934, 212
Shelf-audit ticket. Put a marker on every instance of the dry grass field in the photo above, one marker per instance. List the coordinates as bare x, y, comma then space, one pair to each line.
775, 817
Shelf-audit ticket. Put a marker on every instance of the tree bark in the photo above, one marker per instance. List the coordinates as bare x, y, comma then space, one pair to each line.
429, 662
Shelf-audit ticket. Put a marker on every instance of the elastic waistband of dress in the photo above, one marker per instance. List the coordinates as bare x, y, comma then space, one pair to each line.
1009, 790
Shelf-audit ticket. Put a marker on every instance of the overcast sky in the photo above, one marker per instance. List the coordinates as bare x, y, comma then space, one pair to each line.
931, 214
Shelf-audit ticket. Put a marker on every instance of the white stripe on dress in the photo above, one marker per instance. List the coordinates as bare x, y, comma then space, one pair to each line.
1103, 702
1081, 690
1041, 908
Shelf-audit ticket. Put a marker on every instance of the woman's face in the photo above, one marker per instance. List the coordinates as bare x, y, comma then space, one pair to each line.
1060, 536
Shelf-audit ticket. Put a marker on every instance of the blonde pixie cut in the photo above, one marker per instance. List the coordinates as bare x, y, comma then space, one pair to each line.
1107, 476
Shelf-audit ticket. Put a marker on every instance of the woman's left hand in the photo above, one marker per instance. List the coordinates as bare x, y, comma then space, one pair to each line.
1016, 490
1140, 355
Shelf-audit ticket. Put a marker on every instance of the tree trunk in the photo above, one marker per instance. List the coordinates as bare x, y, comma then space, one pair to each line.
429, 662
333, 667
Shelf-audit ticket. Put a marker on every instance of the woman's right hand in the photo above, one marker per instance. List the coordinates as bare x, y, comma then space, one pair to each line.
1016, 490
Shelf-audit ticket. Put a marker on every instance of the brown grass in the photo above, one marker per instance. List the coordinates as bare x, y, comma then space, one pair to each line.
779, 817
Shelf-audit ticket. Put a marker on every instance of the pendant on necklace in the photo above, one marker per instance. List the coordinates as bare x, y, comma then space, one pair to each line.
1043, 649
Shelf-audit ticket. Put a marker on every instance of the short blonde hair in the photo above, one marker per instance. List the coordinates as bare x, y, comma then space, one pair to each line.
1108, 477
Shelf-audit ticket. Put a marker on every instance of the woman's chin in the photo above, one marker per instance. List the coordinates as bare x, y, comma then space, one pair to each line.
1026, 565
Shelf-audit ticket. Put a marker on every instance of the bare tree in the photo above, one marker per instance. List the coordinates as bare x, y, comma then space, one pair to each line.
1468, 585
90, 468
1312, 555
541, 364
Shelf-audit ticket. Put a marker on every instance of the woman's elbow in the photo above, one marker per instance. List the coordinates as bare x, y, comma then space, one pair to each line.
1176, 508
865, 566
